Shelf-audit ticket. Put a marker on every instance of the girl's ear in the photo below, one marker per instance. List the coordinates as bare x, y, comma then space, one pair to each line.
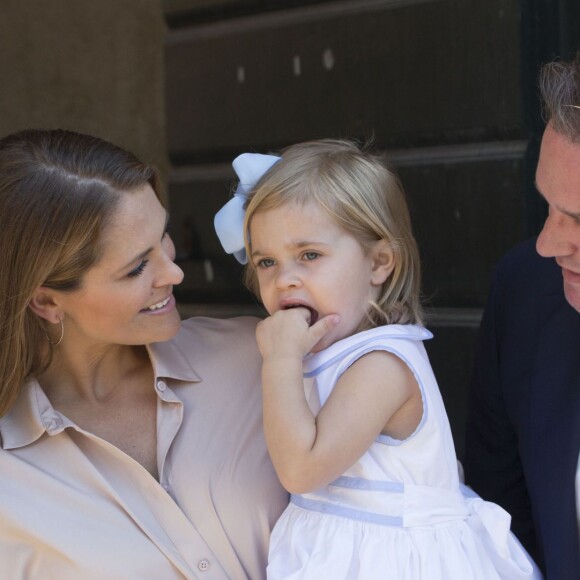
383, 262
44, 304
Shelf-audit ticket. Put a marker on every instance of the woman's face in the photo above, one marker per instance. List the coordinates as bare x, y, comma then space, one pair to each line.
126, 297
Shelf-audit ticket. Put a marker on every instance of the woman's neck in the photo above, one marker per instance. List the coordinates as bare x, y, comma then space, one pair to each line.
110, 395
91, 375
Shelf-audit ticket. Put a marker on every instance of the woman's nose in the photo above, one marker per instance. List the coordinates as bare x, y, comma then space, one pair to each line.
170, 272
175, 274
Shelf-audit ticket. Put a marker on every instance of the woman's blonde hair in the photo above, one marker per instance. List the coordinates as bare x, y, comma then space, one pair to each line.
58, 190
363, 197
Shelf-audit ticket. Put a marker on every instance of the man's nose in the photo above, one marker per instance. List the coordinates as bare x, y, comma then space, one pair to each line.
556, 238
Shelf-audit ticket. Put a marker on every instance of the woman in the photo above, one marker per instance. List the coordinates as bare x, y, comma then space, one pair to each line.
131, 442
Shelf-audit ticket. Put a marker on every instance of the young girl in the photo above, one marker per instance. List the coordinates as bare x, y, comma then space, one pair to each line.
353, 417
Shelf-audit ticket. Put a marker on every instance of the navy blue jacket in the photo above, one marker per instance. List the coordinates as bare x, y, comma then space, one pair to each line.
523, 429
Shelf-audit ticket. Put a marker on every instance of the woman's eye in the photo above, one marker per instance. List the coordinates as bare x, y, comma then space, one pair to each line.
310, 255
265, 263
138, 270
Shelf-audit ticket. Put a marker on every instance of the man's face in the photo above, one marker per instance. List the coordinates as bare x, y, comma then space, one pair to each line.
558, 181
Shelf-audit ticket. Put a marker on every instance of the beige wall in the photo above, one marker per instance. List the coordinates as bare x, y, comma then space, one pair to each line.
94, 66
175, 6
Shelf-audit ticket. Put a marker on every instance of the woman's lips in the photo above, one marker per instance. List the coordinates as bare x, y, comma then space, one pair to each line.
161, 307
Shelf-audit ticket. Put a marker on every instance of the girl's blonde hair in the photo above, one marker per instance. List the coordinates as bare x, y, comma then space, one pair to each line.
362, 196
58, 190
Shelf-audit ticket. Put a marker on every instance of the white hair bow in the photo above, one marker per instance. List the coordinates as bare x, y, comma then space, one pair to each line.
229, 220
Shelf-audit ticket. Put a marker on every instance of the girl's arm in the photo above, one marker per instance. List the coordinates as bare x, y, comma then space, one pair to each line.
377, 393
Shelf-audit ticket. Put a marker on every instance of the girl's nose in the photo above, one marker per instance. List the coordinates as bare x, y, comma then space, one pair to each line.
287, 278
557, 237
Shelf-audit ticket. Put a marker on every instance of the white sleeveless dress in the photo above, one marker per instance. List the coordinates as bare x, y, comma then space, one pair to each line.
400, 511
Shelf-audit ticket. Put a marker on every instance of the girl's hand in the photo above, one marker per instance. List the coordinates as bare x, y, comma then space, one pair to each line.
288, 334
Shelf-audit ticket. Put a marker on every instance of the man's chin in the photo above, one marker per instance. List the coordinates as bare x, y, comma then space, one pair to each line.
572, 294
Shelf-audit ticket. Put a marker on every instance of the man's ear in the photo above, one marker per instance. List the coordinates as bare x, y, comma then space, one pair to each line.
44, 304
383, 262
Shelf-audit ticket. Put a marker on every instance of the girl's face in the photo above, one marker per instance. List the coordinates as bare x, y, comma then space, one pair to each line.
302, 257
126, 297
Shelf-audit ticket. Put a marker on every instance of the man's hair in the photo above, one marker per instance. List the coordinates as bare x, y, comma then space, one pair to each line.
560, 90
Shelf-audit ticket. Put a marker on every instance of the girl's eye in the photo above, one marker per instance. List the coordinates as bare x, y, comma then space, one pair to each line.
309, 256
138, 270
265, 263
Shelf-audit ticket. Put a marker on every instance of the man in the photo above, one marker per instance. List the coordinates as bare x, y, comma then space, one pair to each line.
523, 434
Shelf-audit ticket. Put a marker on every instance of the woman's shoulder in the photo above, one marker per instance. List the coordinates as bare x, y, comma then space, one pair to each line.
239, 332
212, 343
209, 325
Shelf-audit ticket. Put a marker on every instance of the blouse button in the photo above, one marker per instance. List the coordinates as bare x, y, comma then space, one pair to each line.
161, 386
203, 565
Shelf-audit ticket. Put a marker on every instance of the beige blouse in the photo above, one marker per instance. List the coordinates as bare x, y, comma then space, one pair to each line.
72, 506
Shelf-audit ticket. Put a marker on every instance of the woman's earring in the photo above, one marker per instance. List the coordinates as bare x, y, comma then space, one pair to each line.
61, 335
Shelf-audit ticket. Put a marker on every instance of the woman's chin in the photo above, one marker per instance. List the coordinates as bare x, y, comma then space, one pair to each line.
166, 329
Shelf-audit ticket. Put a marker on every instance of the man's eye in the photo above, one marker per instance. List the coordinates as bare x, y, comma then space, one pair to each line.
311, 255
138, 270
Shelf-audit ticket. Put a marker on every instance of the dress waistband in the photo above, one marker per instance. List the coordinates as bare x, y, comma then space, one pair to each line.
386, 503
